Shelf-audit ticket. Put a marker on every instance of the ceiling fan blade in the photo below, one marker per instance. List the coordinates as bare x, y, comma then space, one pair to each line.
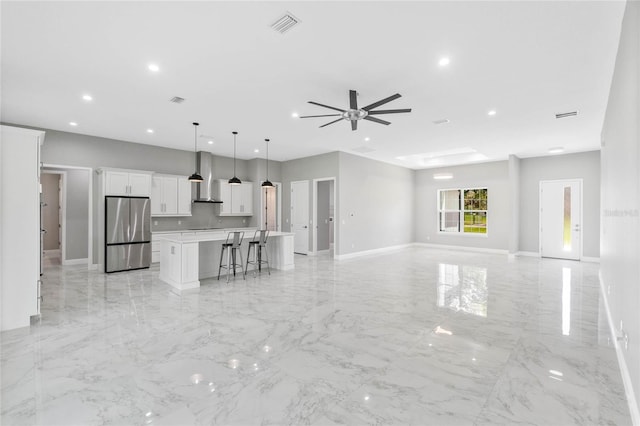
382, 102
327, 106
324, 115
334, 121
353, 102
377, 120
354, 125
389, 111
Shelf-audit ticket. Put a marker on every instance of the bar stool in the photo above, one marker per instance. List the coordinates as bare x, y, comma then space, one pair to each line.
258, 243
232, 245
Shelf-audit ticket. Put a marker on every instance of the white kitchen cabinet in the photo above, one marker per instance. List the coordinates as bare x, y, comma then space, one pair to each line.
131, 183
184, 196
170, 196
19, 225
237, 200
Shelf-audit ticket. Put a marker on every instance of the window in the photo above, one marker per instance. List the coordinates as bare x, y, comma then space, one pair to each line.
463, 211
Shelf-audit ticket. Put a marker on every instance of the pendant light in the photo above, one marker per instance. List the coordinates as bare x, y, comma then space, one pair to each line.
267, 183
195, 177
234, 180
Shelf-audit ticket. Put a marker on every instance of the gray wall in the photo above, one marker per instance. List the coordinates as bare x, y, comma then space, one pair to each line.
309, 168
620, 241
72, 149
585, 165
375, 205
494, 176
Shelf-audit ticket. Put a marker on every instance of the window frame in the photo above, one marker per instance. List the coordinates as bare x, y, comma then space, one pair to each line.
461, 211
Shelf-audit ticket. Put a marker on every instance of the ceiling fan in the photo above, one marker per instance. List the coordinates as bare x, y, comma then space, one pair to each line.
353, 114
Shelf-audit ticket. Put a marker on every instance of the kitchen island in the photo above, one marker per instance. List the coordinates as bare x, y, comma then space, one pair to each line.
187, 257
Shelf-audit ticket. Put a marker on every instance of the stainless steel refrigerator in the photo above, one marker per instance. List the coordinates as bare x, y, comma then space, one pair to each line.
127, 233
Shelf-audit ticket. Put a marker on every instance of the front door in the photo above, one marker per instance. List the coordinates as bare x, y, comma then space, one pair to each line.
300, 216
560, 216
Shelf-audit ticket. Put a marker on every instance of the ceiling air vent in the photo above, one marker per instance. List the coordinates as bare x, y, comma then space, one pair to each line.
176, 100
285, 23
567, 114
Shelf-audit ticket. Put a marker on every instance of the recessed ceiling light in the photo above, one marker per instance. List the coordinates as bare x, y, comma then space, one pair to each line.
210, 142
367, 139
556, 150
73, 123
295, 115
442, 176
153, 67
149, 130
87, 98
492, 112
256, 150
444, 62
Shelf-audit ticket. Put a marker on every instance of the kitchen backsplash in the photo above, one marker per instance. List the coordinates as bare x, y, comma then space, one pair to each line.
203, 216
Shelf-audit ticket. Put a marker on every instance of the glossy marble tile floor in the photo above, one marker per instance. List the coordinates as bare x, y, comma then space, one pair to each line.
418, 336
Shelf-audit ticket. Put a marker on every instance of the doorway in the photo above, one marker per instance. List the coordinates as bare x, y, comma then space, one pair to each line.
561, 219
76, 213
324, 215
52, 211
300, 216
271, 207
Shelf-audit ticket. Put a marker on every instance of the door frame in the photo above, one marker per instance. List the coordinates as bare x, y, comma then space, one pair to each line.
62, 167
291, 229
315, 214
278, 186
541, 182
62, 210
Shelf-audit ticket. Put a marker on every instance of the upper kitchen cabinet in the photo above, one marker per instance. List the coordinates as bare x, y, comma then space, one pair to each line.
127, 182
170, 196
237, 200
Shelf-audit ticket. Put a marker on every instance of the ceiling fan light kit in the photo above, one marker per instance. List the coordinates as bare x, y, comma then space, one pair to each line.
355, 114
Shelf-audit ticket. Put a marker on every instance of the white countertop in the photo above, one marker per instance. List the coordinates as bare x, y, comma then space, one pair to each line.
216, 235
181, 231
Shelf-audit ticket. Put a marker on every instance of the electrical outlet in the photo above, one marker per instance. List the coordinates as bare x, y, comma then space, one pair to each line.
244, 220
155, 223
179, 222
353, 246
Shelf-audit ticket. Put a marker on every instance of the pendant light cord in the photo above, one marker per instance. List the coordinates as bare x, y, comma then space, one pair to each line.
234, 153
267, 140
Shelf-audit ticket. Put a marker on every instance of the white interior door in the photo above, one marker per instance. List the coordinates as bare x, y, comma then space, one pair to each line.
560, 219
300, 215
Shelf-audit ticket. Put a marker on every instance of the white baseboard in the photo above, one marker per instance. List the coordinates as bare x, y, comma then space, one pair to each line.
370, 252
52, 253
528, 253
634, 410
590, 259
462, 248
75, 262
93, 267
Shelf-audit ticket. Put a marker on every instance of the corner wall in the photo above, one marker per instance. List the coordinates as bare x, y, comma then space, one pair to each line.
620, 183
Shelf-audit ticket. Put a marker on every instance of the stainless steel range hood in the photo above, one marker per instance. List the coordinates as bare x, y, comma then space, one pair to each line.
204, 189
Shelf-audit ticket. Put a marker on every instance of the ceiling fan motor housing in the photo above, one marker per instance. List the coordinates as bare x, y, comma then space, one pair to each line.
354, 114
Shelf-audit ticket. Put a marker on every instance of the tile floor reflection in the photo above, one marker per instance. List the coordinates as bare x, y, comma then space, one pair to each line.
418, 336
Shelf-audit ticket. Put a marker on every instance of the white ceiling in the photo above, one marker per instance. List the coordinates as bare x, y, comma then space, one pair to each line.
526, 60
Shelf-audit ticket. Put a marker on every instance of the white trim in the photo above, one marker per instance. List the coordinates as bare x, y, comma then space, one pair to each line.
314, 191
90, 202
308, 219
93, 266
590, 259
634, 410
373, 251
75, 262
528, 253
278, 186
462, 248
